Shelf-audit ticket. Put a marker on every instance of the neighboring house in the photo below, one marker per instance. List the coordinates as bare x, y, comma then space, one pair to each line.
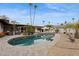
47, 29
5, 27
38, 29
68, 30
60, 28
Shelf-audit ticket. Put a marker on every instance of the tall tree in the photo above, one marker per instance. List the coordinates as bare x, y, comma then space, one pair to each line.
35, 7
73, 19
48, 22
43, 22
65, 22
65, 25
14, 27
61, 24
30, 4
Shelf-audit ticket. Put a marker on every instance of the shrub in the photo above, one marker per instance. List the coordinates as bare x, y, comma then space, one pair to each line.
57, 30
30, 29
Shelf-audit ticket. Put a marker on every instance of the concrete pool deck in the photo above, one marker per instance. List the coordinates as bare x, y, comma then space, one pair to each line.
62, 47
33, 50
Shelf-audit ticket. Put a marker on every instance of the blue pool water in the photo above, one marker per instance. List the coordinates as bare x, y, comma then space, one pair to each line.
25, 41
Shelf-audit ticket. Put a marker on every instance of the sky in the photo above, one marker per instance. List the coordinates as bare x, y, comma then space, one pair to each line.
55, 13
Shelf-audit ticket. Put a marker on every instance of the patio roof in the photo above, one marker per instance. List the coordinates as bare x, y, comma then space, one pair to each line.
4, 21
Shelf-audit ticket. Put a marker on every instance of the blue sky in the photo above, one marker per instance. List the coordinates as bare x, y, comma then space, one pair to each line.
53, 12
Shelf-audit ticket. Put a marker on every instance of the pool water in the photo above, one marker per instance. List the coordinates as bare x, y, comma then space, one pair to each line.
25, 41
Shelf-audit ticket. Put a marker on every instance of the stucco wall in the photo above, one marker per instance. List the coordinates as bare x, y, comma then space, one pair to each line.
1, 28
61, 30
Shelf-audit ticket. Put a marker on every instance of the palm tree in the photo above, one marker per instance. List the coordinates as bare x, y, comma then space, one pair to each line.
73, 19
61, 24
35, 7
43, 22
30, 4
14, 27
65, 25
65, 22
49, 23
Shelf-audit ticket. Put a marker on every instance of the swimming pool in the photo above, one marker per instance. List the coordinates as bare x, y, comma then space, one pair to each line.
30, 40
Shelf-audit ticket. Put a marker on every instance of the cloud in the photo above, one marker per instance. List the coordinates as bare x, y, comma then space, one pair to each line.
58, 14
15, 14
56, 7
55, 18
63, 7
22, 16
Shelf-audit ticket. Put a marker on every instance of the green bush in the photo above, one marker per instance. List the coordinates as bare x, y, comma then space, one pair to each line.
57, 30
30, 29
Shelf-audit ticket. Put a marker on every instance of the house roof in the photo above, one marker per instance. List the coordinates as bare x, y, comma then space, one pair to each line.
4, 21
